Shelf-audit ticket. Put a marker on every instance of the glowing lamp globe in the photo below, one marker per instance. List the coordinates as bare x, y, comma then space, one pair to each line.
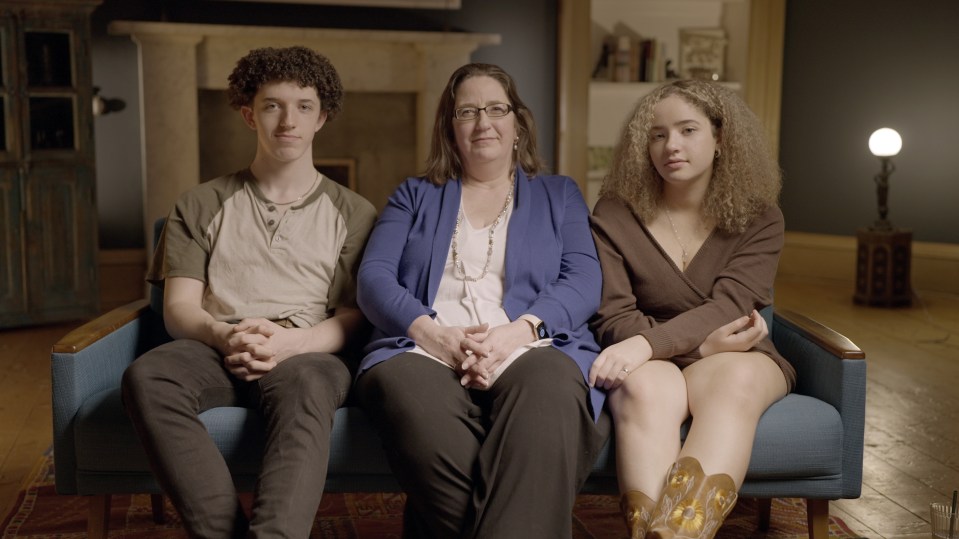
885, 142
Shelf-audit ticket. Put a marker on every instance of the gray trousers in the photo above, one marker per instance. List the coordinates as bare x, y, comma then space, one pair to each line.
168, 387
504, 463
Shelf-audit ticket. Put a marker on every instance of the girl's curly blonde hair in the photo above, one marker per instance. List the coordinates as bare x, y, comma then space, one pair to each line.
746, 180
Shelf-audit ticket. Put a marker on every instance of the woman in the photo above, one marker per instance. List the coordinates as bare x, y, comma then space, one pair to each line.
688, 233
480, 278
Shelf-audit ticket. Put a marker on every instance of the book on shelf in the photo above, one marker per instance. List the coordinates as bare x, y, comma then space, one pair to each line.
653, 68
621, 73
626, 58
635, 59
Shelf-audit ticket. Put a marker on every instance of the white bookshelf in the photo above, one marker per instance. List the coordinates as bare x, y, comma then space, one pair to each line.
610, 103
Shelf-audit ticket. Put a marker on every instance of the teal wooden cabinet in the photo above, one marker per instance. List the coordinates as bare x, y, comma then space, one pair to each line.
48, 241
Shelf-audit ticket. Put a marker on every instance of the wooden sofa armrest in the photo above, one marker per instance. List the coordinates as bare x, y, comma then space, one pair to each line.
833, 342
87, 361
96, 329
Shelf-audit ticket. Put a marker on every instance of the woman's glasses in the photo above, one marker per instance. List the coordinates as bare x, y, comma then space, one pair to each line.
493, 110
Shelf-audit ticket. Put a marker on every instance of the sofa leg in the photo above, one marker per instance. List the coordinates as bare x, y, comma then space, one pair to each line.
817, 518
156, 505
764, 507
98, 520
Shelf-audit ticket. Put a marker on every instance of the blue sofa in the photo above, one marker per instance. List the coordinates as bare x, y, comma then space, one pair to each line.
807, 445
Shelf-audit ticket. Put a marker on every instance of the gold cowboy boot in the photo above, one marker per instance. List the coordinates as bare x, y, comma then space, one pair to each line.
638, 510
693, 505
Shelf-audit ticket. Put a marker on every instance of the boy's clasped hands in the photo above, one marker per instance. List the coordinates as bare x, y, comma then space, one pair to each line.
257, 345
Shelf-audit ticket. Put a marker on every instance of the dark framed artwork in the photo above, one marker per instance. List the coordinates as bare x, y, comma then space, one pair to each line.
342, 170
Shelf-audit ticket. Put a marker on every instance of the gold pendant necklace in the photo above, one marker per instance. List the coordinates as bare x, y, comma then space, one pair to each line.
682, 246
457, 262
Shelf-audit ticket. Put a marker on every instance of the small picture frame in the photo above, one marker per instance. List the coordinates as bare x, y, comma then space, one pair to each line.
702, 53
342, 170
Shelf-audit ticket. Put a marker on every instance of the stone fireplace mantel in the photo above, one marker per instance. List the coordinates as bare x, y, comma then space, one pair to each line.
178, 59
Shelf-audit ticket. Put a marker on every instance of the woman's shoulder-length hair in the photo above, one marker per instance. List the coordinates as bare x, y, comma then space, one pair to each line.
443, 162
746, 179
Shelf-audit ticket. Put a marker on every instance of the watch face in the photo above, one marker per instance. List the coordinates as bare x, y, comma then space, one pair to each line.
541, 330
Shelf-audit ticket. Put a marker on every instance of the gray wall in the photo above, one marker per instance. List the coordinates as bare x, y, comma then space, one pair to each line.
527, 51
852, 67
117, 140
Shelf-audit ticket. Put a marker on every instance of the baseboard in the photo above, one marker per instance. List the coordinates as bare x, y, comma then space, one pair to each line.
935, 266
122, 274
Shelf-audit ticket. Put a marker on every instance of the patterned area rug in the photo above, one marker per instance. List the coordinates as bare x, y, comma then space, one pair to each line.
41, 513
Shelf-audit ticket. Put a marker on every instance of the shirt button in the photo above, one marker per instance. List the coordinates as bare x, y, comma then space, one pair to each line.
271, 208
279, 238
271, 222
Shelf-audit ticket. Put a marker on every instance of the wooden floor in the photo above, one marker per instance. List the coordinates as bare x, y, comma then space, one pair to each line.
912, 409
912, 402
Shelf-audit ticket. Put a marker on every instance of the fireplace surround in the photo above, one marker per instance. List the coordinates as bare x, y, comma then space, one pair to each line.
177, 60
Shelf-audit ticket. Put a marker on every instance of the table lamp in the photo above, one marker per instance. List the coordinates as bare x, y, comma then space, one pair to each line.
884, 143
883, 253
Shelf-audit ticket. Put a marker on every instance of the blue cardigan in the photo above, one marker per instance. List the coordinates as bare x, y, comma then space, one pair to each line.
552, 270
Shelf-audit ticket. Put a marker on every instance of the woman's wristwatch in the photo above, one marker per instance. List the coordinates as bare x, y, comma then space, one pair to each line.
537, 325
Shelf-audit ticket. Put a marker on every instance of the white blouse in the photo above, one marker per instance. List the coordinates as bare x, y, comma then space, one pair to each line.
462, 303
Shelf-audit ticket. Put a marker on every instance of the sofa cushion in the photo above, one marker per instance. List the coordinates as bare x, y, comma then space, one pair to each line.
807, 429
106, 442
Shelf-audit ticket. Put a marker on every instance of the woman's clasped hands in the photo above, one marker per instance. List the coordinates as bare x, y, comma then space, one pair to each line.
474, 352
486, 350
449, 344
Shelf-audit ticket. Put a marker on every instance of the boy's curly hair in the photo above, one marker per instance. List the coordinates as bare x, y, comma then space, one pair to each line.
300, 65
746, 179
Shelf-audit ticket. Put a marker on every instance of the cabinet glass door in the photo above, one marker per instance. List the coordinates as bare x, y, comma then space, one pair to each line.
51, 123
49, 61
51, 89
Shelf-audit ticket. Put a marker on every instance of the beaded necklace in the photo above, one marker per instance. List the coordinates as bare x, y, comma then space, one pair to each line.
457, 262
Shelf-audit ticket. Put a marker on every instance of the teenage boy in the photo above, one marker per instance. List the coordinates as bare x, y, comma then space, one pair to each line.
258, 273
